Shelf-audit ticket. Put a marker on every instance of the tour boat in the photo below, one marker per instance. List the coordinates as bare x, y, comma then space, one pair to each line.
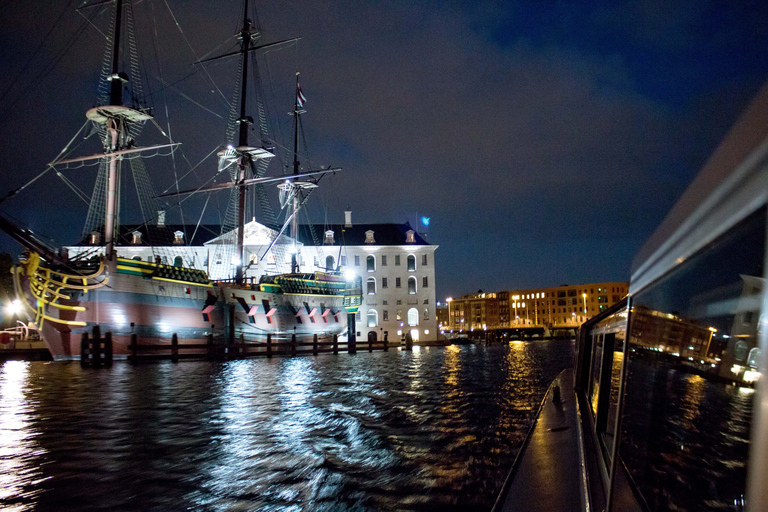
666, 407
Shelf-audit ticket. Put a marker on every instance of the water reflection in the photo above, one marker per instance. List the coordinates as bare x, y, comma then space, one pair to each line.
18, 449
426, 430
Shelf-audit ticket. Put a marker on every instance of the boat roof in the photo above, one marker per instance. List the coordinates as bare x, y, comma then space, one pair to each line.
726, 189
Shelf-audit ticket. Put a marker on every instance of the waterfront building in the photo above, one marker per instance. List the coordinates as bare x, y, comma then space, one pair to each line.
396, 263
559, 307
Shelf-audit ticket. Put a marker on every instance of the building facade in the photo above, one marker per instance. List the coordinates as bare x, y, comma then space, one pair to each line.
559, 307
396, 264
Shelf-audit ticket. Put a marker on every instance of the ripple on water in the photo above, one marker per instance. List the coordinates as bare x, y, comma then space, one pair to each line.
431, 429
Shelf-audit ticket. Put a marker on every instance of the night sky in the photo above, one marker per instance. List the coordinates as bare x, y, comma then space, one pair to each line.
544, 140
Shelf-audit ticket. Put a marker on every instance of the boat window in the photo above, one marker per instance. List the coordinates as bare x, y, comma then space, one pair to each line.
594, 373
605, 375
687, 409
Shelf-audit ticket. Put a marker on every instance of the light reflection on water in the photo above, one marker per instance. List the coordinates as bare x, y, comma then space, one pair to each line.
431, 429
18, 449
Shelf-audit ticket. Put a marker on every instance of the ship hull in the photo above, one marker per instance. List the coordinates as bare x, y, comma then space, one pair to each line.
257, 313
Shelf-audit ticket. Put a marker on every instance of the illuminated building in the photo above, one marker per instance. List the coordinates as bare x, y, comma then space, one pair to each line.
558, 307
395, 263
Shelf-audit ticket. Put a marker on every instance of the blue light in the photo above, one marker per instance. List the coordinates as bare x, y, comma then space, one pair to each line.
425, 221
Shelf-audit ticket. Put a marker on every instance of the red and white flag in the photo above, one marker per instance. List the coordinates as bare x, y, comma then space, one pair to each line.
300, 99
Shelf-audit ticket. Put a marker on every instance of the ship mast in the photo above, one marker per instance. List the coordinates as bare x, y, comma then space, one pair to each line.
244, 162
297, 111
115, 117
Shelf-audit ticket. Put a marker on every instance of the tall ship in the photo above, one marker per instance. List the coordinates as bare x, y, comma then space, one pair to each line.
66, 292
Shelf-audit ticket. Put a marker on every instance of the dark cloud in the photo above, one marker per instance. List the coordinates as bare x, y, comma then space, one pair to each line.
544, 143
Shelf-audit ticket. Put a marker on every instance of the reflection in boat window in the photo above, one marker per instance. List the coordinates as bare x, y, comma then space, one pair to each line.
692, 357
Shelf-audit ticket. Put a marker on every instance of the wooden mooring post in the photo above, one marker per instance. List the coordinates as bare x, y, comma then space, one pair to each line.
351, 334
314, 345
96, 351
269, 345
134, 349
386, 341
335, 343
175, 348
293, 344
210, 346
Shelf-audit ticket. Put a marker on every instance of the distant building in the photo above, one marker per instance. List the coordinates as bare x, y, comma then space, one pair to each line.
397, 264
559, 307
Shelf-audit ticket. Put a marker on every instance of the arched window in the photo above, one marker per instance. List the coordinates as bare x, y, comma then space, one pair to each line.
329, 263
177, 262
411, 284
373, 318
370, 262
371, 286
413, 316
754, 358
411, 263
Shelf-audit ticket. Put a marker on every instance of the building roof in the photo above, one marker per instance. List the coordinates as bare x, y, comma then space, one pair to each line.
383, 234
159, 236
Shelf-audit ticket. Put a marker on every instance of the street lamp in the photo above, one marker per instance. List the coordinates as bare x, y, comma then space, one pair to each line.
584, 296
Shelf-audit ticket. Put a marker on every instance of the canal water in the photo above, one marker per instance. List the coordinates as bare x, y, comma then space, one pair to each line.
432, 429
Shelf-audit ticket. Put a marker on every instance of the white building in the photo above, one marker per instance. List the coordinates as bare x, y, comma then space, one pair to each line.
396, 264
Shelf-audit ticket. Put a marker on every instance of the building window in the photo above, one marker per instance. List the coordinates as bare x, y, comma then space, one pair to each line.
95, 238
177, 262
370, 263
178, 237
424, 282
369, 237
329, 263
343, 261
397, 282
136, 238
413, 317
411, 263
357, 260
409, 239
411, 285
329, 237
424, 259
373, 318
371, 286
386, 315
397, 260
426, 313
383, 260
383, 282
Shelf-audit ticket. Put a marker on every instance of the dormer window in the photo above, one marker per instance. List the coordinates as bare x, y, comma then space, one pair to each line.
95, 238
369, 237
329, 237
178, 237
136, 238
409, 237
